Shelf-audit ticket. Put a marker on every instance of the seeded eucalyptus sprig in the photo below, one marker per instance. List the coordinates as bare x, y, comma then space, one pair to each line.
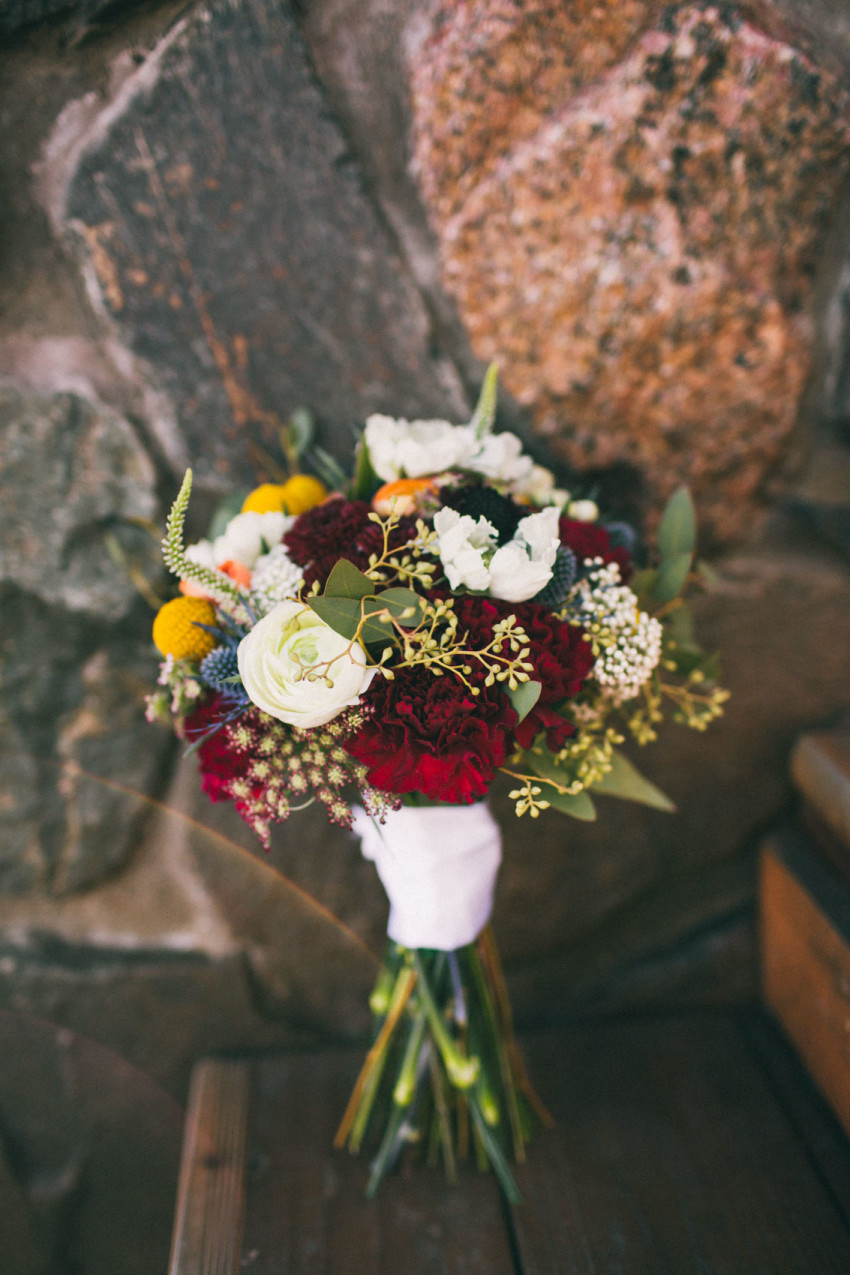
214, 583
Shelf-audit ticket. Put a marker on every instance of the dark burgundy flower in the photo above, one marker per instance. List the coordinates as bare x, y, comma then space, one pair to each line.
561, 657
219, 763
430, 735
591, 540
337, 529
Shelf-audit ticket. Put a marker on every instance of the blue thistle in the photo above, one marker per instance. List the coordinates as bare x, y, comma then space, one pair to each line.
219, 668
564, 572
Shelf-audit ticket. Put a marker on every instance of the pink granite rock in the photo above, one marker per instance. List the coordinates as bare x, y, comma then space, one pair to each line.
629, 203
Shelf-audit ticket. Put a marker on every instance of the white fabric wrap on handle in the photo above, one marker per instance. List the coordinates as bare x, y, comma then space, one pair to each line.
438, 865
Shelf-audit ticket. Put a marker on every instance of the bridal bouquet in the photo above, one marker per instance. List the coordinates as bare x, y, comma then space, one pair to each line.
388, 649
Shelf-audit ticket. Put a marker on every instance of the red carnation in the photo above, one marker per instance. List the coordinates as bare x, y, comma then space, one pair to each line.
430, 735
337, 529
561, 657
592, 540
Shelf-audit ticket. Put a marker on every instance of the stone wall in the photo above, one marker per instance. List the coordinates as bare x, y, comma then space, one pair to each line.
216, 213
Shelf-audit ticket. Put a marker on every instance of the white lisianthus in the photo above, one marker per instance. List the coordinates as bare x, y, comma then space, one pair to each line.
500, 458
245, 538
523, 566
470, 555
275, 658
412, 449
465, 546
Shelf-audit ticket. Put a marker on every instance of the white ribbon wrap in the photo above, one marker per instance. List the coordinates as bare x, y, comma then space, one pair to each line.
438, 865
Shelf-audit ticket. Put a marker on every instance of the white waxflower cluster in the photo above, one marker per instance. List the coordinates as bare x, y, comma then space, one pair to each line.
626, 640
274, 579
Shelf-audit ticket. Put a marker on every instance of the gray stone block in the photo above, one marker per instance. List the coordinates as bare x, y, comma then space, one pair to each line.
226, 234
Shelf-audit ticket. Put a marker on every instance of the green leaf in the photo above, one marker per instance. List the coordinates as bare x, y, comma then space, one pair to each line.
485, 409
300, 429
672, 575
624, 780
343, 614
224, 511
707, 572
340, 614
543, 764
398, 600
524, 698
579, 807
366, 481
677, 533
345, 581
643, 582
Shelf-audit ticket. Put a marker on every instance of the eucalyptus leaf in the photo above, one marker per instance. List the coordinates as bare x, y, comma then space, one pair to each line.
524, 697
672, 575
341, 614
485, 409
544, 764
328, 468
346, 581
300, 429
624, 780
580, 806
398, 600
225, 510
677, 533
643, 582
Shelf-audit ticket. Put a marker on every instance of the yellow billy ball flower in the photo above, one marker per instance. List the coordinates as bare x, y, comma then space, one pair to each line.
302, 492
266, 499
176, 632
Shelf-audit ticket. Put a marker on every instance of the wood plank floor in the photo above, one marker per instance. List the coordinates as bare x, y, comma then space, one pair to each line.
684, 1143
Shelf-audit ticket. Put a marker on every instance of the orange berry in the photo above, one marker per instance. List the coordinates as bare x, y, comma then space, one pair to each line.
405, 492
176, 632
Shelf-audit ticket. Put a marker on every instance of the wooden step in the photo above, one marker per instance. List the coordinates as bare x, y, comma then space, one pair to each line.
676, 1150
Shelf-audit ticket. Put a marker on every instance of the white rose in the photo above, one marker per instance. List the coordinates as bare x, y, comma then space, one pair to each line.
465, 546
273, 658
523, 566
412, 449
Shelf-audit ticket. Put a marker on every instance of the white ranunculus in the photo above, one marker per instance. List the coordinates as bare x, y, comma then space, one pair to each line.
522, 567
538, 486
273, 658
465, 546
500, 458
583, 510
413, 449
245, 538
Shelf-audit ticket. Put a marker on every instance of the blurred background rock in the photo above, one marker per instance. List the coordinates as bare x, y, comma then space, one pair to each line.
213, 214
